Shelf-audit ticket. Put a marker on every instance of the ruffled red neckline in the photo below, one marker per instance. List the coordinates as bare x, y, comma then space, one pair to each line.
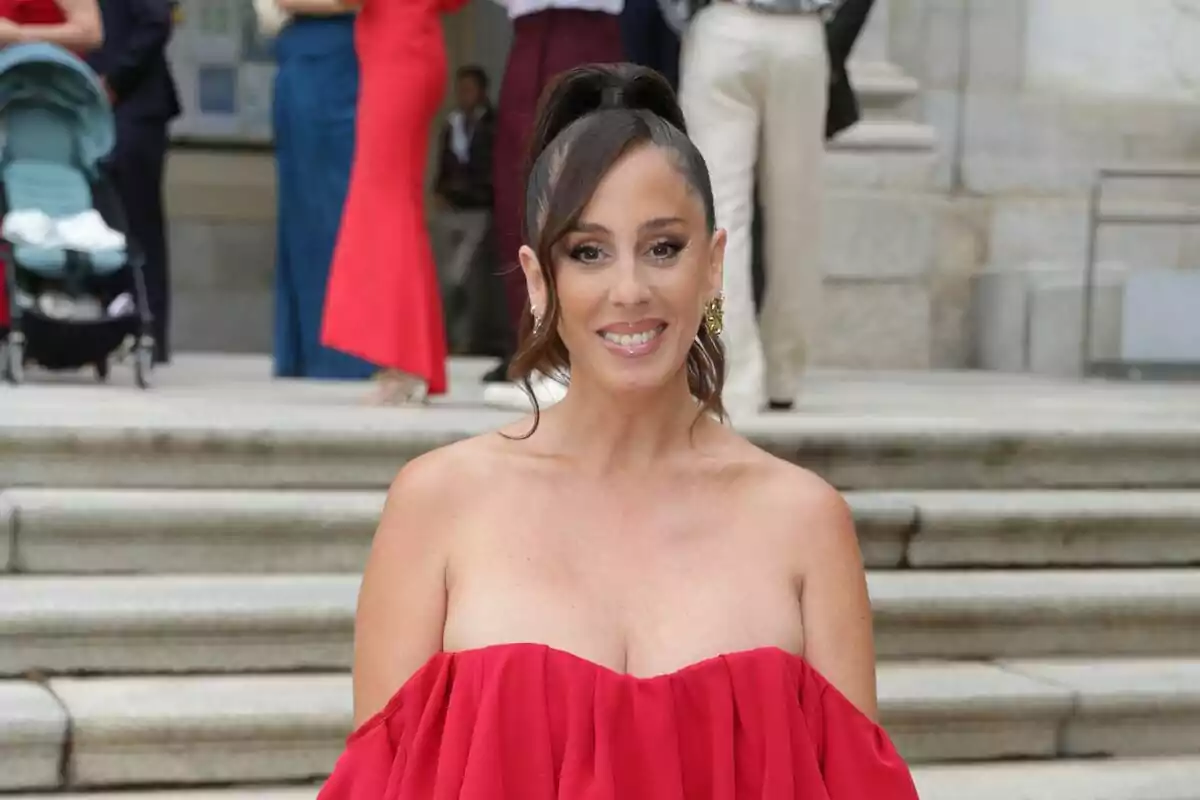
438, 659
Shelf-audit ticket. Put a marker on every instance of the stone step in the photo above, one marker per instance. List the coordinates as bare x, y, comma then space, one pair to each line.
1116, 779
165, 731
1050, 528
881, 85
973, 711
253, 623
1003, 614
218, 531
33, 727
180, 530
177, 623
886, 135
988, 432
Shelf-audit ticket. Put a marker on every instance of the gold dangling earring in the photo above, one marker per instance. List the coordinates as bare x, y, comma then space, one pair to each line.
714, 315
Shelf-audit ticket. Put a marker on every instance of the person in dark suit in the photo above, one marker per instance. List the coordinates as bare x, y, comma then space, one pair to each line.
132, 64
463, 198
650, 40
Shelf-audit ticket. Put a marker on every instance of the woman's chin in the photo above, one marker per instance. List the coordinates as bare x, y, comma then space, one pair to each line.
639, 377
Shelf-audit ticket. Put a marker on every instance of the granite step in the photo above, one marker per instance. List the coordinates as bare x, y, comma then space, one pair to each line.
1116, 779
177, 439
67, 530
176, 623
181, 530
1020, 614
33, 728
882, 86
266, 623
177, 731
887, 135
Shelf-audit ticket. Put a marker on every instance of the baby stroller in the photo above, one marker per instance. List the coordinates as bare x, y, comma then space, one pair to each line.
75, 292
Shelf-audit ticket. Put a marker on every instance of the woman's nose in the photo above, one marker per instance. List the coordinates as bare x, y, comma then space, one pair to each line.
630, 287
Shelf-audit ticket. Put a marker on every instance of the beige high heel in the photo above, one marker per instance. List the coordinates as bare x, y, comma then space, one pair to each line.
396, 388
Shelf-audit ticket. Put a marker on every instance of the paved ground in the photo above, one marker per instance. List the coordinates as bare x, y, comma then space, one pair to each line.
213, 391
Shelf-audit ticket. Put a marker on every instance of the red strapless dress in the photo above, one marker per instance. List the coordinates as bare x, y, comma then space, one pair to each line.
32, 12
527, 722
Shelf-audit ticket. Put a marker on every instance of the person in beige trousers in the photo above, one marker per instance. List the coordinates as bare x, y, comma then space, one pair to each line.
755, 89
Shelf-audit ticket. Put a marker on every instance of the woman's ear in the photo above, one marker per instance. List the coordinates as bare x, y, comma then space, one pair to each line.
716, 262
535, 281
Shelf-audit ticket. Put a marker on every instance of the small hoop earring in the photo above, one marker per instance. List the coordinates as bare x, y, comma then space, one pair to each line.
537, 321
714, 315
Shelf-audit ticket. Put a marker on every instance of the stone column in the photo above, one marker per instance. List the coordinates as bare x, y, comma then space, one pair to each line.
873, 45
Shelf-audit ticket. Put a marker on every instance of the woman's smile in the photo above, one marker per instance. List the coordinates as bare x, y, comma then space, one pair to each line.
633, 339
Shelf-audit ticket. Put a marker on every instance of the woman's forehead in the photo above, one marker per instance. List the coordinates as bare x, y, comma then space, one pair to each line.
645, 184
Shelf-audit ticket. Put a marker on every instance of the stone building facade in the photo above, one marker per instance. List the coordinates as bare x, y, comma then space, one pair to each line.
956, 215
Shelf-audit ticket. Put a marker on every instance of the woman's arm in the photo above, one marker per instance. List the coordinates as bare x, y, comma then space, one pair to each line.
834, 605
320, 7
402, 601
82, 31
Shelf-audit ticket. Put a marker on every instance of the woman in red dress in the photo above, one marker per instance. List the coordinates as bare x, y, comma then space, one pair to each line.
619, 598
383, 304
73, 24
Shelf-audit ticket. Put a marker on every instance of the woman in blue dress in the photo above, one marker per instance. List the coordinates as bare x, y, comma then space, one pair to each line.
316, 91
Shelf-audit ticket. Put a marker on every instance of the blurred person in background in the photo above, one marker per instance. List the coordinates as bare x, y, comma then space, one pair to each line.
841, 34
756, 79
651, 37
383, 303
463, 195
133, 65
549, 37
316, 93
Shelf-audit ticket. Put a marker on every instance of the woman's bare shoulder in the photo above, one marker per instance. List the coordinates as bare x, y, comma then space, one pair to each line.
780, 490
457, 470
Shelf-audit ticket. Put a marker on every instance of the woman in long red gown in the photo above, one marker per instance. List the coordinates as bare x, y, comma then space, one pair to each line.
383, 303
621, 598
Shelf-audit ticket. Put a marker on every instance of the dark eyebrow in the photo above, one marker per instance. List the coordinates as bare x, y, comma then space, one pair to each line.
588, 227
662, 222
651, 225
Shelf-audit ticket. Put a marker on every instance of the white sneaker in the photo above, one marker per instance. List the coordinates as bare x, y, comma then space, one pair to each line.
547, 390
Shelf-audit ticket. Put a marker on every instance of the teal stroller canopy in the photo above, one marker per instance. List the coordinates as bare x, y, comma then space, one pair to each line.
48, 77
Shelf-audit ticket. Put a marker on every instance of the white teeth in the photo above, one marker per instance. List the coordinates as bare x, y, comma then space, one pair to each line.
630, 339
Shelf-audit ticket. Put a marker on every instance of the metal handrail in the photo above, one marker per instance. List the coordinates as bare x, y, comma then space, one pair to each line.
1098, 218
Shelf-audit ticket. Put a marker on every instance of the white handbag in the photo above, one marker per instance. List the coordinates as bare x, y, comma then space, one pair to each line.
271, 18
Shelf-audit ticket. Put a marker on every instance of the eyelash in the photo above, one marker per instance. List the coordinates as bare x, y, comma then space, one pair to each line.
675, 248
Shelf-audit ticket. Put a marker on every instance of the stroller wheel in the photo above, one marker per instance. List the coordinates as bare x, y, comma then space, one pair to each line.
102, 371
143, 365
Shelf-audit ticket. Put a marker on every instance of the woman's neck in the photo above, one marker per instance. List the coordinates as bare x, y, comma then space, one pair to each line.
607, 432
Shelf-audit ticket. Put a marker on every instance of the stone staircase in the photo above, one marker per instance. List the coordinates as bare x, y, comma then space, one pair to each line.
176, 611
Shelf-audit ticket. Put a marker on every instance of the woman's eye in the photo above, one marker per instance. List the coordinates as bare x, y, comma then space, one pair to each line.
586, 253
665, 250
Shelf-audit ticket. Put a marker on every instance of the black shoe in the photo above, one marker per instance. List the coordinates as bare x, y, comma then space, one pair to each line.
497, 374
780, 405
